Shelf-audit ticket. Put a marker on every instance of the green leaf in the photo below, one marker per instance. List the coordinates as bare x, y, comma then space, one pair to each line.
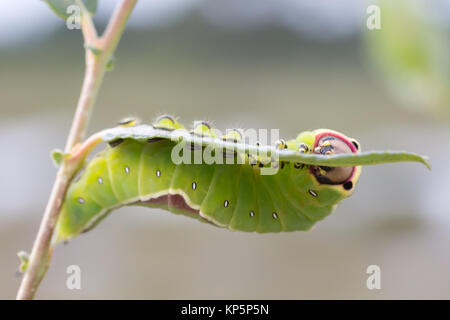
411, 54
60, 6
356, 159
144, 132
57, 157
24, 259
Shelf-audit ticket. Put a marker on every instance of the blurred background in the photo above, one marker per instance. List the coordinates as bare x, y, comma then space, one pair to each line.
292, 65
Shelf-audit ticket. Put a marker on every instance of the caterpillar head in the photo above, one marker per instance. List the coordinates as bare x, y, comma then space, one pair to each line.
328, 142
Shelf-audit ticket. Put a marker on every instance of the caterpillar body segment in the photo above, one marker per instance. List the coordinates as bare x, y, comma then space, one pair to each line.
314, 172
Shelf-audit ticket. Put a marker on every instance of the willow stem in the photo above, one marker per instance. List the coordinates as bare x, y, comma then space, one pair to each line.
96, 61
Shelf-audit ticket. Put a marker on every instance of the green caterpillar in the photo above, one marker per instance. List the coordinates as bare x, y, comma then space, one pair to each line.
313, 173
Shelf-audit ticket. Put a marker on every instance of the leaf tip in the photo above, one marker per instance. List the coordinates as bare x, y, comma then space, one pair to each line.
426, 162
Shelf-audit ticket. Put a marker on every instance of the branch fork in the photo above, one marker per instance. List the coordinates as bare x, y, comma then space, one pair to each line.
99, 51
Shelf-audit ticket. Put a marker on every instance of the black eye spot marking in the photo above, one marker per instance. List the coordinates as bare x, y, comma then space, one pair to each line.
302, 148
115, 143
355, 144
298, 165
261, 165
313, 193
348, 185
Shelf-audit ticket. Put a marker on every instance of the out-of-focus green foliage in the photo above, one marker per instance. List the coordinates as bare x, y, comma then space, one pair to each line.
412, 55
60, 6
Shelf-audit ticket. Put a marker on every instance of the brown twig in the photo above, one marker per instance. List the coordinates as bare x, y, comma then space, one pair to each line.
98, 53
